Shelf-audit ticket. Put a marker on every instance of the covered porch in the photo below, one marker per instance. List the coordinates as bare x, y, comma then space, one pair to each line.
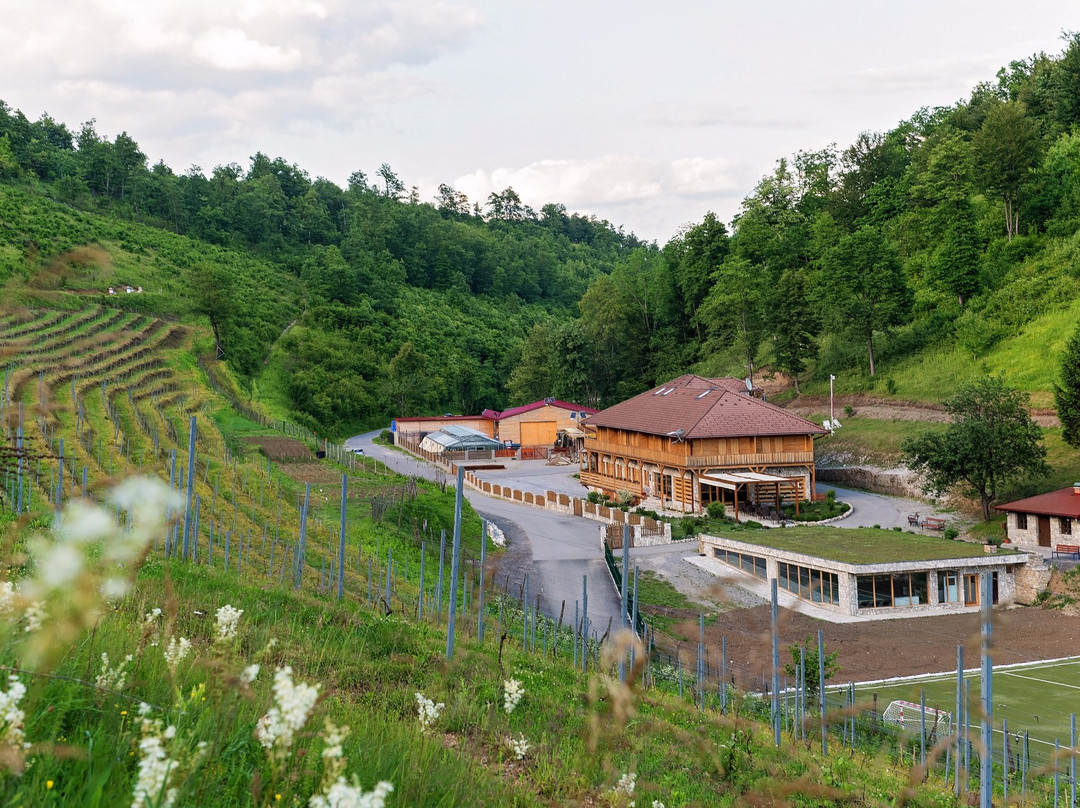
753, 486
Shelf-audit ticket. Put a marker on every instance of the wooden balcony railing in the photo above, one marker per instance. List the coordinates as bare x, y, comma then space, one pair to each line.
671, 459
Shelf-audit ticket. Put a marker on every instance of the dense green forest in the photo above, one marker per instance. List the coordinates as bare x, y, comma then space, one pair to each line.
934, 244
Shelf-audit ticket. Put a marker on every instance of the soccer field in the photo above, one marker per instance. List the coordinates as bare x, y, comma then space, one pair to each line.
1037, 698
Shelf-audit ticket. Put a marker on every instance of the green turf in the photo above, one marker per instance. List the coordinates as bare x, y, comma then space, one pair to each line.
1037, 699
862, 545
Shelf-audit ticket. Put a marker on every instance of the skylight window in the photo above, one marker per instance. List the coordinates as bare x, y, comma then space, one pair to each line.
702, 395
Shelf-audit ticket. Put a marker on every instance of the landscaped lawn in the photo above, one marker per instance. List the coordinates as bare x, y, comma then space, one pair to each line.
864, 545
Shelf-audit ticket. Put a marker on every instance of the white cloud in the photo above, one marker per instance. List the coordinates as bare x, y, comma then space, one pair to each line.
610, 179
232, 49
956, 75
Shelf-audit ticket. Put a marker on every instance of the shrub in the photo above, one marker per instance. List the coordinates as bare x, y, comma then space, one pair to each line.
849, 410
595, 497
951, 533
715, 510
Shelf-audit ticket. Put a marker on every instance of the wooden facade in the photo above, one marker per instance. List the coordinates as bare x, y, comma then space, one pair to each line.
538, 424
694, 441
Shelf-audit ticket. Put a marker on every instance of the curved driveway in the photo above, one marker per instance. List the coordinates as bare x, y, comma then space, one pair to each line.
565, 549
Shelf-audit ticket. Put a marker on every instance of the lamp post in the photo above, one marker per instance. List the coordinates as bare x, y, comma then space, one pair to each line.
832, 416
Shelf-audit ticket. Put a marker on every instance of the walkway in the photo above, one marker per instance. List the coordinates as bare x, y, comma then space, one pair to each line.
565, 549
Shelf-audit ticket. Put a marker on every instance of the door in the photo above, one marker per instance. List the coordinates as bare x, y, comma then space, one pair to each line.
538, 433
971, 589
1044, 531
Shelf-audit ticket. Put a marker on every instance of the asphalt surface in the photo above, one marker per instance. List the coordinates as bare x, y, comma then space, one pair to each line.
566, 554
562, 554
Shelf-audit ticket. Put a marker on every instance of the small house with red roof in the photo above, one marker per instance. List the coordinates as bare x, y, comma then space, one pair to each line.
693, 440
1046, 520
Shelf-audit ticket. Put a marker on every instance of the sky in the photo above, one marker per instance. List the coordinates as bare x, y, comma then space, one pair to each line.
645, 114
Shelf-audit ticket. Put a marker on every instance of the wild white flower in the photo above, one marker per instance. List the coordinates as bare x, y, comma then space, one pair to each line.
228, 618
155, 767
8, 593
35, 616
176, 652
85, 523
333, 738
112, 678
249, 674
293, 704
512, 693
658, 804
115, 588
147, 501
428, 711
58, 564
151, 616
520, 746
343, 794
145, 709
625, 787
11, 731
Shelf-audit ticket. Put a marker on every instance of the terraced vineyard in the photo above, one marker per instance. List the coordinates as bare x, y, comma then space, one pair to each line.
94, 395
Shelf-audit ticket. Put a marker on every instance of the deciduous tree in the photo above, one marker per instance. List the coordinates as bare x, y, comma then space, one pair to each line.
1067, 394
990, 441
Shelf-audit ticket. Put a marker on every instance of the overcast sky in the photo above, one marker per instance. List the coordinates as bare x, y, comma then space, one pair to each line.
643, 113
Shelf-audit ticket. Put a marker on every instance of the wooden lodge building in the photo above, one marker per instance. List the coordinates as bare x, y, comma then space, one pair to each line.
693, 441
530, 425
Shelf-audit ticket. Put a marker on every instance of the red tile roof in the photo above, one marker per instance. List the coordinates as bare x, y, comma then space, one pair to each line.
536, 405
702, 408
484, 417
1062, 502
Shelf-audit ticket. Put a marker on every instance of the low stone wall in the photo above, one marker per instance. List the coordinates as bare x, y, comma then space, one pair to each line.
896, 482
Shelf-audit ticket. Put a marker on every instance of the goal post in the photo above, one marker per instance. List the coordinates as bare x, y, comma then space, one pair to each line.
908, 716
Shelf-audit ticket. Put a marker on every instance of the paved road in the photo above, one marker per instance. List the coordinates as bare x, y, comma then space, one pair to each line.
878, 509
565, 549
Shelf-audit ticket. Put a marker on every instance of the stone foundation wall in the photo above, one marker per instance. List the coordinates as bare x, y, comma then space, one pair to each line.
1031, 579
897, 482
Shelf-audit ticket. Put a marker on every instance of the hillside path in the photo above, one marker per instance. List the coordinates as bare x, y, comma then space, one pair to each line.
556, 550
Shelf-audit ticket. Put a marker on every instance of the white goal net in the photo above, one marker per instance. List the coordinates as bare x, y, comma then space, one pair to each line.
909, 716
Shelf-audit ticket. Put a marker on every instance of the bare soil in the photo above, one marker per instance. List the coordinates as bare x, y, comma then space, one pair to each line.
887, 410
887, 648
281, 450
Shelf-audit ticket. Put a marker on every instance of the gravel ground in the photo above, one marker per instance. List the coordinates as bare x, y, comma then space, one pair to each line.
697, 584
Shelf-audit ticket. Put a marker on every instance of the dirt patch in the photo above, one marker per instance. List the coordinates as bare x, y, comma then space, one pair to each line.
281, 450
887, 648
885, 410
867, 651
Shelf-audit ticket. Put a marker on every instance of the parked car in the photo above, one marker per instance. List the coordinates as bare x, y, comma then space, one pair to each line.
356, 450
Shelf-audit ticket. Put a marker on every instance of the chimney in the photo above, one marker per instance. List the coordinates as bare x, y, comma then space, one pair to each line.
1076, 489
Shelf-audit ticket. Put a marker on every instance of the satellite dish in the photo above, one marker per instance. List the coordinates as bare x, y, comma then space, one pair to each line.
749, 384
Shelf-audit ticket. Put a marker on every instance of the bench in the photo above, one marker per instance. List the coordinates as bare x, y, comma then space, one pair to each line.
933, 523
913, 519
1063, 550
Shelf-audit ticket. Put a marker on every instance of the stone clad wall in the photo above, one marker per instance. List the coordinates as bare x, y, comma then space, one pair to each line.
1031, 579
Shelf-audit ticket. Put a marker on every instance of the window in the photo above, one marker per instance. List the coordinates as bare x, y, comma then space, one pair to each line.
750, 564
807, 583
948, 586
1021, 521
1066, 526
899, 589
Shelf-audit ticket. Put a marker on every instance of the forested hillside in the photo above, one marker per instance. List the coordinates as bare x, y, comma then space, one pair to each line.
901, 263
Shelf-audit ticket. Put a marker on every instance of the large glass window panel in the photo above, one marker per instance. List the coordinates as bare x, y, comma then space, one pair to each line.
865, 591
920, 588
883, 590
